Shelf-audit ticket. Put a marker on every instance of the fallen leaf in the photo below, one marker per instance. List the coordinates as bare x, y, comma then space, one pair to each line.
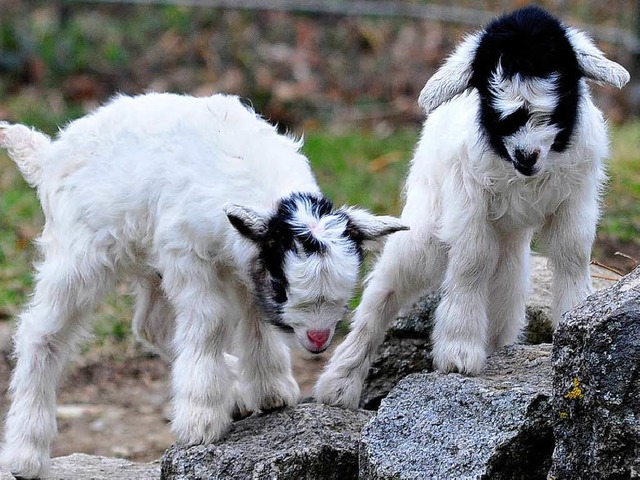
383, 161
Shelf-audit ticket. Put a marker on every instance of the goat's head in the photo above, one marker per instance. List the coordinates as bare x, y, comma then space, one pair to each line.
527, 68
308, 262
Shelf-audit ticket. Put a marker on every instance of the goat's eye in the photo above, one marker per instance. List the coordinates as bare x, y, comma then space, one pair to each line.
279, 292
539, 120
512, 123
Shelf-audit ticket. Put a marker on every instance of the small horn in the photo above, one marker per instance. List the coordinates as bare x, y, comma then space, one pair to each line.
452, 78
593, 63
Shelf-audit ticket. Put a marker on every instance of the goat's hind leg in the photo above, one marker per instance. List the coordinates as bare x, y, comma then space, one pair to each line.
48, 333
508, 292
154, 319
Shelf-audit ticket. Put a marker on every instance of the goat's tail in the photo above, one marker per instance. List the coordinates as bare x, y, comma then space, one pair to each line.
25, 147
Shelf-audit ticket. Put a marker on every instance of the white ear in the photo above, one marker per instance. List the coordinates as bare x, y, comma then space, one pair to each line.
248, 222
371, 229
593, 63
452, 78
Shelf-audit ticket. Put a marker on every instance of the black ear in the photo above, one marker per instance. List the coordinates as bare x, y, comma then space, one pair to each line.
370, 230
248, 222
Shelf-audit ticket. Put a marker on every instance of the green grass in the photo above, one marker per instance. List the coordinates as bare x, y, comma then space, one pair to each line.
362, 168
621, 218
20, 220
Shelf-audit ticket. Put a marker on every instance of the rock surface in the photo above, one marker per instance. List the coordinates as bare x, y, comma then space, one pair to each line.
596, 383
497, 426
309, 441
88, 467
406, 348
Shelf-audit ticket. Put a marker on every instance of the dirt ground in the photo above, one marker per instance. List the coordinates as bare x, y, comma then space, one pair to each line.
114, 400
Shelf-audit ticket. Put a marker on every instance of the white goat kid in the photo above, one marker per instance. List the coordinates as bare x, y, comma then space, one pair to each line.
155, 188
512, 145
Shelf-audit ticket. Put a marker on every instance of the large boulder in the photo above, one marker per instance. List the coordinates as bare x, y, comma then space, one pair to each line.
309, 441
89, 467
596, 386
497, 426
407, 349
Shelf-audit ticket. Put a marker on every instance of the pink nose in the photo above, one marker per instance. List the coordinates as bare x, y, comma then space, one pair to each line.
318, 337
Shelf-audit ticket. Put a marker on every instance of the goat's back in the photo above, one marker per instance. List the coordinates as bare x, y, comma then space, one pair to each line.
162, 166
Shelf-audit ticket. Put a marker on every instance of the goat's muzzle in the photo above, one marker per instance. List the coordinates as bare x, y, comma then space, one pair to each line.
525, 162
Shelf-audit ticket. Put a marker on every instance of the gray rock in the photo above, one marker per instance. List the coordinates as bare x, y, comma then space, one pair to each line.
450, 426
539, 329
596, 386
88, 467
406, 348
309, 441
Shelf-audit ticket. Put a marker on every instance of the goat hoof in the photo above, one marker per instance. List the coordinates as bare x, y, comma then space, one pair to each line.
25, 462
275, 403
271, 410
463, 357
200, 424
284, 392
338, 390
240, 414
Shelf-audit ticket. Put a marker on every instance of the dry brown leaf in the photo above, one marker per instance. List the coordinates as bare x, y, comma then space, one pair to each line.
383, 161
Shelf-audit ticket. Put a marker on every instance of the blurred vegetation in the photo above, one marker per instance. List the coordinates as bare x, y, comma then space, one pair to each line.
349, 85
294, 68
621, 218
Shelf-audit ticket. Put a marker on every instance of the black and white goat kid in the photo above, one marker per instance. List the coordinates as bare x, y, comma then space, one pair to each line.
219, 221
512, 145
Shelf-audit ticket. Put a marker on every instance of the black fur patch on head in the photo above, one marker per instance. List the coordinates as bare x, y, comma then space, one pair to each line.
283, 236
318, 206
530, 43
356, 237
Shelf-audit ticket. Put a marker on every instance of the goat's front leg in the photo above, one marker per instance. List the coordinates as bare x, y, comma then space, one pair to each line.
202, 381
411, 263
509, 289
460, 334
567, 238
265, 365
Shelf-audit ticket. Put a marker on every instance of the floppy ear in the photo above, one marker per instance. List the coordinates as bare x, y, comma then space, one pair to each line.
371, 229
452, 78
248, 222
593, 63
